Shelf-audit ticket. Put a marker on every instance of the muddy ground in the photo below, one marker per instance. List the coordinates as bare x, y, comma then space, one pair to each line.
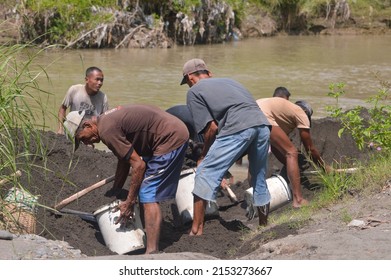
66, 173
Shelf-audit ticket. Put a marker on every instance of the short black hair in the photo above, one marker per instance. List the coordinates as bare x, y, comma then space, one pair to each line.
281, 92
92, 69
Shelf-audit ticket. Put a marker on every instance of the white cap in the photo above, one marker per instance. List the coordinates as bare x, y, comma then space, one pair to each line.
71, 124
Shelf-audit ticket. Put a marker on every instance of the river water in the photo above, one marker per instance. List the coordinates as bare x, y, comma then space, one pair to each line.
305, 65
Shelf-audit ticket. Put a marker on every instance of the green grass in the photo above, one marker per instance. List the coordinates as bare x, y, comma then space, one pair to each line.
339, 187
20, 102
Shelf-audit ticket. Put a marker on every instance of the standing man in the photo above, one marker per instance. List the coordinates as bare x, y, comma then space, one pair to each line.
87, 97
221, 108
284, 117
153, 143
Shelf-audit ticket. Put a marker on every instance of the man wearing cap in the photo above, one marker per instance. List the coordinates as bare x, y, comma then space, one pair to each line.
152, 142
87, 97
285, 116
221, 108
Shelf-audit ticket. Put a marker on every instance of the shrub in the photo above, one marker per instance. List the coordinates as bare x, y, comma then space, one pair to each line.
370, 127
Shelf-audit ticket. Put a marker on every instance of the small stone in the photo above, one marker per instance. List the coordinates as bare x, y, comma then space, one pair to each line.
6, 235
356, 223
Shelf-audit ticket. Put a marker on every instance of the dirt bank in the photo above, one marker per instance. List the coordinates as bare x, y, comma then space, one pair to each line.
224, 233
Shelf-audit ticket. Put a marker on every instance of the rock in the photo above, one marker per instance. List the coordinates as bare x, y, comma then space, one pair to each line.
356, 223
5, 235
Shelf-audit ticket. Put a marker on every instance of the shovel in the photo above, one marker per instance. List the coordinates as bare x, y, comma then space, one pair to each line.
79, 194
83, 215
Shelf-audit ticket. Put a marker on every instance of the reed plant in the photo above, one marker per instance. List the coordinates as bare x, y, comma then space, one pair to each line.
20, 133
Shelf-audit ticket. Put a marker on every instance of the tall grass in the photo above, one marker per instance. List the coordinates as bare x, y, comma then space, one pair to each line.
20, 102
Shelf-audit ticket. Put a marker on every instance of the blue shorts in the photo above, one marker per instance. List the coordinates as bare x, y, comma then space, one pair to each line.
224, 152
162, 175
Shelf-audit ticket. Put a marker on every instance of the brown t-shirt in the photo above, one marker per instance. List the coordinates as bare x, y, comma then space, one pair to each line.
147, 129
283, 113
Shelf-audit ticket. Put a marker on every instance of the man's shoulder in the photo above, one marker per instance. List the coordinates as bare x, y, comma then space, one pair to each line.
219, 83
75, 88
222, 80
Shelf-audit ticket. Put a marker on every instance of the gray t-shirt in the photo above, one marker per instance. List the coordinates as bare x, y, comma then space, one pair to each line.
77, 99
225, 101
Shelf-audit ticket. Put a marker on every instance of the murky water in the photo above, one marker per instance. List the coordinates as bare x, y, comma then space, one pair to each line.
305, 65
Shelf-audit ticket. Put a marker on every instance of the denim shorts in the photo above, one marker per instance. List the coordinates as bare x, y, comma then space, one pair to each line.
224, 152
162, 175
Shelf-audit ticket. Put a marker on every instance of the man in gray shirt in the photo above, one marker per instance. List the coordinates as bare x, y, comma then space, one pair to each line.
232, 125
87, 97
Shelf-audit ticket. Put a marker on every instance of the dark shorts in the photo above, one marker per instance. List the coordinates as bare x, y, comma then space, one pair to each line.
162, 175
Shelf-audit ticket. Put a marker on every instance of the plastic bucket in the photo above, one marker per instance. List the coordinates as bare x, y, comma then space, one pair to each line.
184, 197
120, 238
280, 194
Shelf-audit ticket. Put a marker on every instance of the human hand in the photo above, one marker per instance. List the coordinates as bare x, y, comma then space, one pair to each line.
60, 130
126, 209
224, 183
328, 169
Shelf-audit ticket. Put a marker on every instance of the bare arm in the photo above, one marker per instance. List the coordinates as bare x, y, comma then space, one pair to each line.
209, 137
310, 148
137, 174
61, 119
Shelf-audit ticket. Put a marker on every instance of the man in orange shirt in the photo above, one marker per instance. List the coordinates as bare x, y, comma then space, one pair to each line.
285, 116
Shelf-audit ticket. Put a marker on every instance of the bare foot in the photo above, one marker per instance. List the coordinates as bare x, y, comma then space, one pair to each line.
196, 230
298, 204
152, 252
195, 234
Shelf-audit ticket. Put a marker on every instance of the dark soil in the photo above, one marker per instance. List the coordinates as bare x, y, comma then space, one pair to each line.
223, 235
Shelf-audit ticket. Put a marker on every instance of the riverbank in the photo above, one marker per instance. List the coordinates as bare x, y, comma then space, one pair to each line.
256, 23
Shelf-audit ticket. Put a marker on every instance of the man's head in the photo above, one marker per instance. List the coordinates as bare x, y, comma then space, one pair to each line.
94, 80
282, 92
81, 129
72, 124
192, 69
306, 108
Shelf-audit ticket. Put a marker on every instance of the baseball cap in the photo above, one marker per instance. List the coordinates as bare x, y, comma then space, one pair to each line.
191, 66
306, 108
72, 123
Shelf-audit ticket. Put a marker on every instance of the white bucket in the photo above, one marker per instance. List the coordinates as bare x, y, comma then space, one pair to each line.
280, 194
120, 238
184, 197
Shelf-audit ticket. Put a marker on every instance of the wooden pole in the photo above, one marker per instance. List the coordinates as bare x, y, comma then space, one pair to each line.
79, 194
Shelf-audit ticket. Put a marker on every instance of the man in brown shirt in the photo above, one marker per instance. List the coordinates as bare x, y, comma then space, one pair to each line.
153, 143
285, 116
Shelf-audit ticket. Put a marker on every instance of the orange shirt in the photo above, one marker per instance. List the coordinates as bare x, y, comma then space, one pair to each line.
283, 113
